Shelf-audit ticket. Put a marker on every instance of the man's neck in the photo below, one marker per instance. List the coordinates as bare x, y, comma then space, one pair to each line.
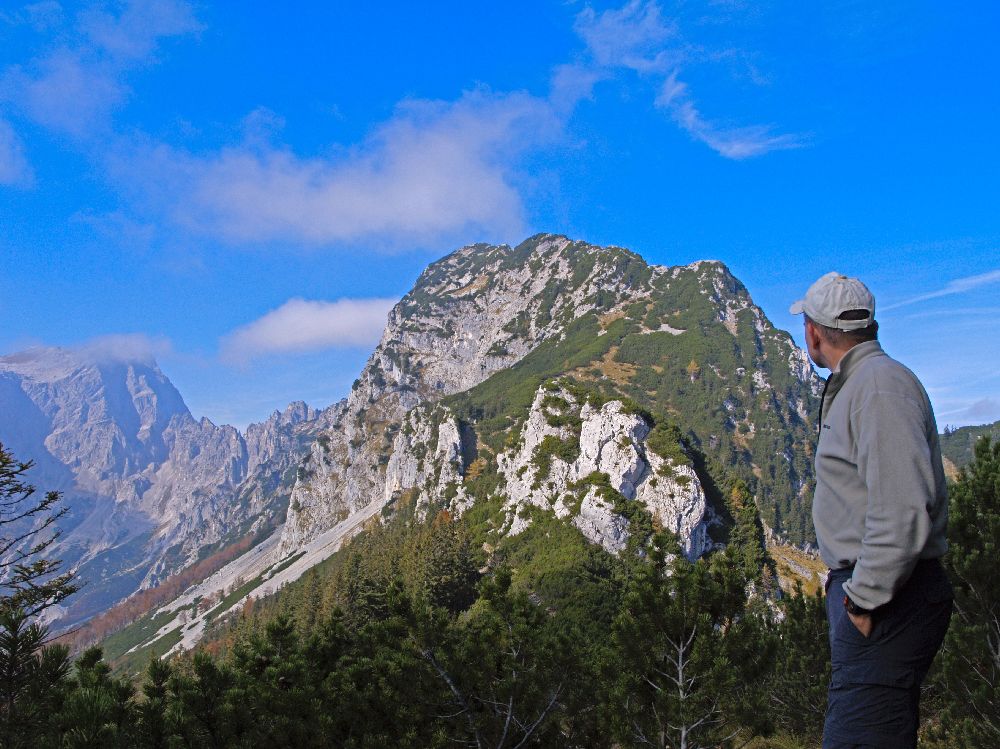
835, 356
836, 359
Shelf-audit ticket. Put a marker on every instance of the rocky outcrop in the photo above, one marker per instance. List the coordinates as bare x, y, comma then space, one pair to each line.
571, 452
427, 465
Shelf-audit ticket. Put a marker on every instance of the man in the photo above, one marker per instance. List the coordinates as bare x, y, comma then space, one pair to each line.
880, 511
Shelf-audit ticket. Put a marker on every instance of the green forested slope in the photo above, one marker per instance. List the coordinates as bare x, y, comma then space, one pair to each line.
959, 445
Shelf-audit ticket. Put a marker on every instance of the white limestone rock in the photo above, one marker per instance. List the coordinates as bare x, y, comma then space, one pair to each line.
427, 462
599, 522
611, 441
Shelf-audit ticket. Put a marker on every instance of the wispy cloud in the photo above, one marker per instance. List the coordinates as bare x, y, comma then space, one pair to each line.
434, 169
66, 92
955, 312
125, 348
634, 36
434, 172
733, 143
75, 86
132, 36
981, 411
958, 286
40, 16
15, 171
301, 325
639, 38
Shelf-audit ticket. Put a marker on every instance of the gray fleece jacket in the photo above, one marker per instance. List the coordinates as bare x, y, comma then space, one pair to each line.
881, 500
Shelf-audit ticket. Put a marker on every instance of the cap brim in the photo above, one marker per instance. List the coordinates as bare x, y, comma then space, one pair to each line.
798, 308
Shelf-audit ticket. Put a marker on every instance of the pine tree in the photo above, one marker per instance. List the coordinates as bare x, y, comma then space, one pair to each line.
506, 671
444, 571
33, 681
689, 658
29, 579
381, 692
798, 689
200, 709
154, 730
275, 694
99, 711
969, 672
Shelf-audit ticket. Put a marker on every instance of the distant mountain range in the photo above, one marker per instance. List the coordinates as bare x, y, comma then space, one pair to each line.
517, 376
150, 488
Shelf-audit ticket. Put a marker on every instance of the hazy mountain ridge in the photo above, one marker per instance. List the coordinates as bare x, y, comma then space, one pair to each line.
149, 487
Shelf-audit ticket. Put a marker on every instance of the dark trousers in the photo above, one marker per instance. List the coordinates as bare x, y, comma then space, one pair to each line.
874, 696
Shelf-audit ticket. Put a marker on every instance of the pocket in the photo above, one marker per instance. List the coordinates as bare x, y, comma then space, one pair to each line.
846, 631
853, 630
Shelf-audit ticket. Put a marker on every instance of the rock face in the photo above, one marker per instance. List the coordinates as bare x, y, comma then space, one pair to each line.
571, 453
427, 464
148, 486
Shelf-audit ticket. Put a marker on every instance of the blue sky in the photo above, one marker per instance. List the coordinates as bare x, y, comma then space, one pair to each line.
243, 194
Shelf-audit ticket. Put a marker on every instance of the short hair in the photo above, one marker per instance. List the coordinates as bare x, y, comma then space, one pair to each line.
843, 338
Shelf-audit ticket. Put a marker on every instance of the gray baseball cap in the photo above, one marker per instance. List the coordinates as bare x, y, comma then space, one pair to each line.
833, 295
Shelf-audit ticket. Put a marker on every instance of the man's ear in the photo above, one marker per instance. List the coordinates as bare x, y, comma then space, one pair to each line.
812, 334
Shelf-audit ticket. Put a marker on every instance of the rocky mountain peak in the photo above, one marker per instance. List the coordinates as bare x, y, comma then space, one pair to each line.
483, 311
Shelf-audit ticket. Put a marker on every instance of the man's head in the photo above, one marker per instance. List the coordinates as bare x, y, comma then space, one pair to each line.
839, 314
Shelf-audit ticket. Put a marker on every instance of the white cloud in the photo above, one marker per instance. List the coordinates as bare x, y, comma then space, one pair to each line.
133, 35
301, 325
125, 348
572, 84
436, 169
15, 170
75, 87
435, 172
632, 36
733, 143
958, 286
66, 92
637, 37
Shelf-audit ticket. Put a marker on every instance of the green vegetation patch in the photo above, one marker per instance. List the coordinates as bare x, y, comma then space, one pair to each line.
551, 447
140, 631
133, 663
665, 439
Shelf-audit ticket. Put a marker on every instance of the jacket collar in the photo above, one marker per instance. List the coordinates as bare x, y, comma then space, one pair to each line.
849, 363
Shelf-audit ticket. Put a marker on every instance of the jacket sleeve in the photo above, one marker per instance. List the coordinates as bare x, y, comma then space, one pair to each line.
894, 460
